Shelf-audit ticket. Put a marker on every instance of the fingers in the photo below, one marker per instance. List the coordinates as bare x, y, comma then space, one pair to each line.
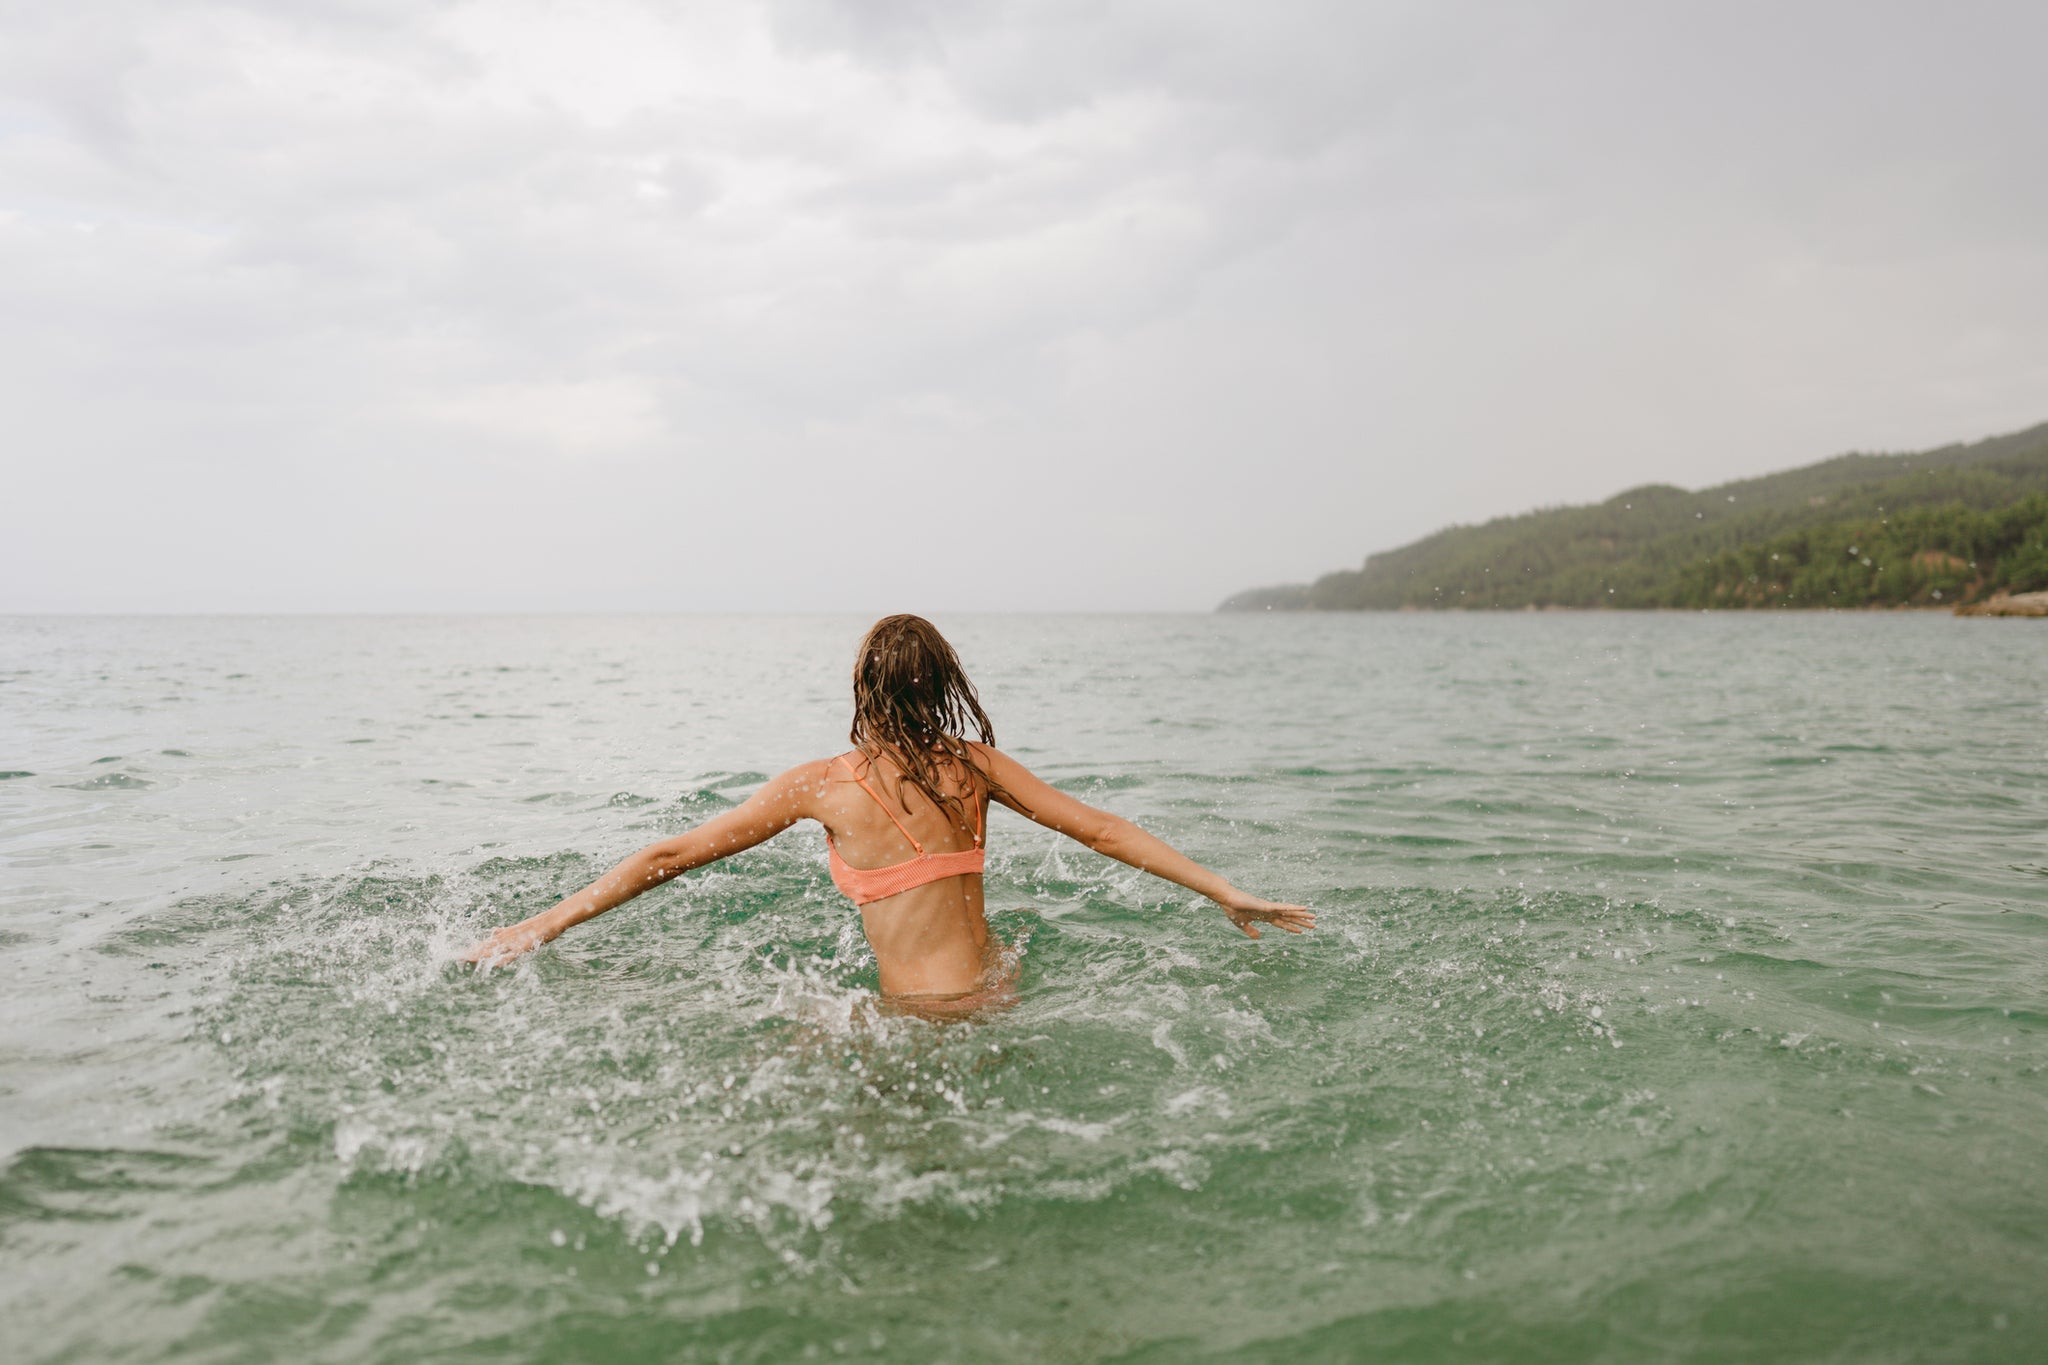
494, 951
1295, 919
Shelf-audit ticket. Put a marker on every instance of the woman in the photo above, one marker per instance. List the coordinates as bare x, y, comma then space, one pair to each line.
904, 814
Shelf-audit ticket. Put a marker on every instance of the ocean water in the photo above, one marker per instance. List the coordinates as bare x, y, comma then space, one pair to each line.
1679, 994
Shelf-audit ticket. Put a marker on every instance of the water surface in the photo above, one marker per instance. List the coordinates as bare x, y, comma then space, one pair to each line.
1679, 994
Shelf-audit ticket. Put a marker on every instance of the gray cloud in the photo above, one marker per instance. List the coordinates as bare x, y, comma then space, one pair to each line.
634, 305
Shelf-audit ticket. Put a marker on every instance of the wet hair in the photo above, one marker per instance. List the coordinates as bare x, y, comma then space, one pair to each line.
912, 701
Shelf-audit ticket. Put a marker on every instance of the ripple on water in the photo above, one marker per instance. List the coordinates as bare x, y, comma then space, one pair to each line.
109, 782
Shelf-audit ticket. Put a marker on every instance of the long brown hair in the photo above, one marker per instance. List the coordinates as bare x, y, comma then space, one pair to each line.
912, 700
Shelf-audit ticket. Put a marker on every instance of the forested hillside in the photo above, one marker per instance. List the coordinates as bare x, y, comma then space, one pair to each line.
1936, 528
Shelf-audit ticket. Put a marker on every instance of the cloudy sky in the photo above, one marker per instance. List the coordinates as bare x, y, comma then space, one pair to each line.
971, 304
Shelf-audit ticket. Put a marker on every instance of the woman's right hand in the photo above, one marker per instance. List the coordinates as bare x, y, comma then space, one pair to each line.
1248, 912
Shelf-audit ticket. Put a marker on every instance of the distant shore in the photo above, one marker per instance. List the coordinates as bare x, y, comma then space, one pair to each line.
2009, 605
1962, 526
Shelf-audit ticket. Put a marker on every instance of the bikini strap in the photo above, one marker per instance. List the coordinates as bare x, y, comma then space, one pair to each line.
884, 805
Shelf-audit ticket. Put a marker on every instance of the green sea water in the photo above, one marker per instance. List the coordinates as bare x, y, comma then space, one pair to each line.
1679, 994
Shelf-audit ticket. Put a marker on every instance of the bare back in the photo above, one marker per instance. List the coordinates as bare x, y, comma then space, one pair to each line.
931, 940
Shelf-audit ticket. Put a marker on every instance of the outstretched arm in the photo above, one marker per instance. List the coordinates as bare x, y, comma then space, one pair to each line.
1116, 837
774, 808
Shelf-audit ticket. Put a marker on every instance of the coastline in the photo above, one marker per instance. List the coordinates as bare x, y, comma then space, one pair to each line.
1902, 608
2008, 604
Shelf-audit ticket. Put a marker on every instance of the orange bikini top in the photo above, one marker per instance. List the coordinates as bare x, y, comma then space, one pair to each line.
864, 884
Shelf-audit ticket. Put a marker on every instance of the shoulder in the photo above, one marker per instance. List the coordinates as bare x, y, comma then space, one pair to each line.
992, 761
998, 767
813, 774
804, 781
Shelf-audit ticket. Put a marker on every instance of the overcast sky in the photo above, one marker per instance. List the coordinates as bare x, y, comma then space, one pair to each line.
880, 304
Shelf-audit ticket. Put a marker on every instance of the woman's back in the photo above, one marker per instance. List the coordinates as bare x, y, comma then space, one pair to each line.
931, 939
